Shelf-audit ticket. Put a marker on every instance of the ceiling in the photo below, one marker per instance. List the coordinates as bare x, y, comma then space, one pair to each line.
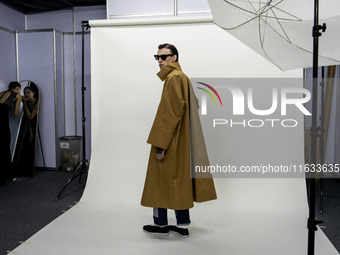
36, 6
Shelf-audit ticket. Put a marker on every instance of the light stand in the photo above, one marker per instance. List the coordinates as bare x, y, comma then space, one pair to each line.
83, 166
312, 222
322, 134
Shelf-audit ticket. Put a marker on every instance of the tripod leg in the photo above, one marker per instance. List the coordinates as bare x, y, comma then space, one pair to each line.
75, 175
81, 171
84, 169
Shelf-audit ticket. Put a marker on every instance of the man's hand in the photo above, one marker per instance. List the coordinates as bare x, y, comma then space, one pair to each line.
160, 154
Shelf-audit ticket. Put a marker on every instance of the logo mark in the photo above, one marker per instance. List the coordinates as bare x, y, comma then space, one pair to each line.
204, 97
212, 89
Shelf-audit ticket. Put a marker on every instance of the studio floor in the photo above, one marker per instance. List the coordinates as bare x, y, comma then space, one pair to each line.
27, 205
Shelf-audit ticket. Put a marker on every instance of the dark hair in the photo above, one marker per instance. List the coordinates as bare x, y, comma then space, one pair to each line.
170, 47
31, 89
13, 85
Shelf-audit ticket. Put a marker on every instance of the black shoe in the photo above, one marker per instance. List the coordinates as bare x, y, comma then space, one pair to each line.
156, 230
183, 232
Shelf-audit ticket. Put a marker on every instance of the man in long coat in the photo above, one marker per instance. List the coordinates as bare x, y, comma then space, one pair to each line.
177, 145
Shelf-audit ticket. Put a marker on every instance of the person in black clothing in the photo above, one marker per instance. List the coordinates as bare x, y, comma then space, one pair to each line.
9, 101
24, 154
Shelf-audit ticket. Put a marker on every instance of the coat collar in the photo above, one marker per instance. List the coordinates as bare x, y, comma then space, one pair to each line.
162, 74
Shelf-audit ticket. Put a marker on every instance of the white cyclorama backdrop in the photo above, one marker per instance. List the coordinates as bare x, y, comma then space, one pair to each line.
250, 216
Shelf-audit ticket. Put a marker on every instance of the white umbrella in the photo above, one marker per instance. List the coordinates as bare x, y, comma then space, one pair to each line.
281, 30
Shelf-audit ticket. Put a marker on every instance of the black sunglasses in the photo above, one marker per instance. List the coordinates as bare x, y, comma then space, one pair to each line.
163, 57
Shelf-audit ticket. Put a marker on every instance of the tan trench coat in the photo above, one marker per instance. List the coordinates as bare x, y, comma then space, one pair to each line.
177, 129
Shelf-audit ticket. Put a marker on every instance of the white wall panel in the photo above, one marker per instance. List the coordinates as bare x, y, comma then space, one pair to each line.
60, 20
36, 64
69, 85
7, 56
155, 8
190, 5
11, 19
119, 8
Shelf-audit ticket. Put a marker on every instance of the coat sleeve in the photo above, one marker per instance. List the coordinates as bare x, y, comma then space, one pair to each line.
170, 112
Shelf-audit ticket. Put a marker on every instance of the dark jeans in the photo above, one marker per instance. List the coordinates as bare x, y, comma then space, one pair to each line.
160, 217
